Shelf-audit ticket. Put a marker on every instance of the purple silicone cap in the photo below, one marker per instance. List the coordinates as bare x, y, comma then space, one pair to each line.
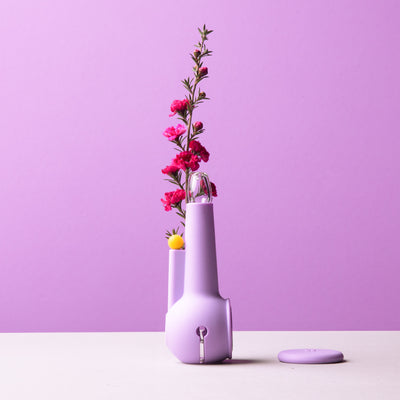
310, 356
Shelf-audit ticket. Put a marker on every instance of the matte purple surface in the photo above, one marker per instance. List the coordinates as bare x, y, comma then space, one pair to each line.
303, 130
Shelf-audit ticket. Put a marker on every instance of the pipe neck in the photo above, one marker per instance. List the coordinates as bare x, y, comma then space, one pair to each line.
201, 274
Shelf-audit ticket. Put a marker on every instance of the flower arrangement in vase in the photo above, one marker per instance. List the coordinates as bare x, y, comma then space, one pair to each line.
184, 136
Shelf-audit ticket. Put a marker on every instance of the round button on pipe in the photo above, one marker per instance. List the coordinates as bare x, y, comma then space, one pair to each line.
310, 356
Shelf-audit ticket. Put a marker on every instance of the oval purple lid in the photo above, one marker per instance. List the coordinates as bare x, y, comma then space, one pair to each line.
310, 356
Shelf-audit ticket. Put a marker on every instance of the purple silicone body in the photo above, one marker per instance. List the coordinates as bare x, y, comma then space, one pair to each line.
176, 275
201, 304
310, 356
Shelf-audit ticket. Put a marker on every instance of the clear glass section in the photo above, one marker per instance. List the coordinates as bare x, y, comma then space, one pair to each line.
199, 188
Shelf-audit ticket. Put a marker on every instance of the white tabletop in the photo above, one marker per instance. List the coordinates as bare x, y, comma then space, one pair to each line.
115, 366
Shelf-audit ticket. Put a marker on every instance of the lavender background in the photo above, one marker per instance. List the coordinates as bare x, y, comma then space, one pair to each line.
303, 130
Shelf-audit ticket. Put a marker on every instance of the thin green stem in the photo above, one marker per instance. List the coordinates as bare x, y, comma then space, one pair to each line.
192, 96
183, 212
192, 106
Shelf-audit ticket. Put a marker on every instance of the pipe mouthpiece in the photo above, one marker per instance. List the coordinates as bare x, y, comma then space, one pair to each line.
200, 190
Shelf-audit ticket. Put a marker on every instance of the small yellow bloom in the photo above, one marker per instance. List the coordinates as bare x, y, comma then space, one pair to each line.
175, 242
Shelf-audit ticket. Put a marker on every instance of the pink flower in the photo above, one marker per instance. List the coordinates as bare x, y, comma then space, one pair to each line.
178, 196
185, 160
170, 170
200, 150
198, 125
179, 106
173, 198
195, 146
166, 204
203, 71
172, 133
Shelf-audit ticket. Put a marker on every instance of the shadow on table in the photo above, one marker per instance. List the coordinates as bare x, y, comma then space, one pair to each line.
236, 361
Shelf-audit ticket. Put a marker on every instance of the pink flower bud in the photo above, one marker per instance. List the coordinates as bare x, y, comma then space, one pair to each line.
203, 71
196, 53
198, 125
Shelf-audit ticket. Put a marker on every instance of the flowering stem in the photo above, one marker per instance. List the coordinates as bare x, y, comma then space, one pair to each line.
185, 110
192, 95
192, 107
177, 181
181, 213
186, 185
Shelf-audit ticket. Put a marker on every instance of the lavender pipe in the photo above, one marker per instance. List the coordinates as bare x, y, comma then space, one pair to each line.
198, 324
